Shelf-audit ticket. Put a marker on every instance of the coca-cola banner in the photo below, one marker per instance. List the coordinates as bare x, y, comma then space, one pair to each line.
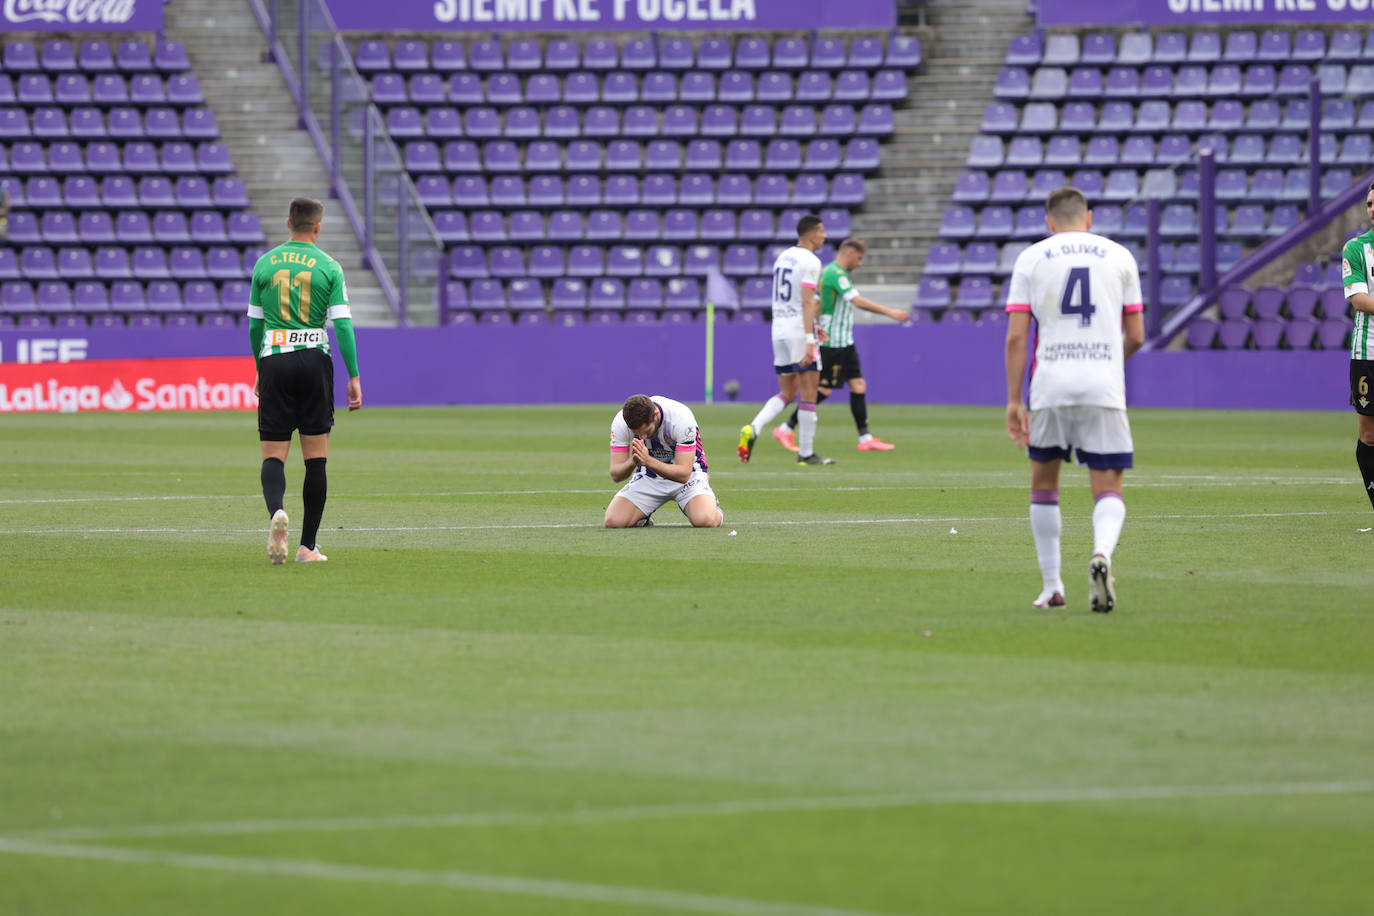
1204, 12
81, 15
204, 383
610, 15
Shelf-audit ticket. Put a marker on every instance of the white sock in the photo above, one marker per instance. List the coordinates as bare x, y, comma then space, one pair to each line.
806, 425
771, 408
865, 437
1046, 524
1108, 516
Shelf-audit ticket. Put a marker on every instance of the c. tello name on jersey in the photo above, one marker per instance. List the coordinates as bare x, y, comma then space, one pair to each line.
292, 257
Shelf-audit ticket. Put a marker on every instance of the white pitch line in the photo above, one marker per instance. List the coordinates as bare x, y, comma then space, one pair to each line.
774, 523
513, 885
1069, 795
1163, 482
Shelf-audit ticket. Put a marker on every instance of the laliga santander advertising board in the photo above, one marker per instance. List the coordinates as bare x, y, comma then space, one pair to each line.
193, 383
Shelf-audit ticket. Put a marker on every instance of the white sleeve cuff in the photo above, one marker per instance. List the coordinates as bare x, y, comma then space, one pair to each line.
255, 311
340, 311
1353, 288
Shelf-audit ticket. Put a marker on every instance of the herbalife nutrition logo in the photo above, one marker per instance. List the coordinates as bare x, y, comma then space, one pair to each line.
73, 11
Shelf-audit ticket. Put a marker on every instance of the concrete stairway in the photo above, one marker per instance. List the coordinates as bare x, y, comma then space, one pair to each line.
964, 45
257, 119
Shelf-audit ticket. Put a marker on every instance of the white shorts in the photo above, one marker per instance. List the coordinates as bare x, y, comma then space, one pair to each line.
1100, 436
788, 352
649, 493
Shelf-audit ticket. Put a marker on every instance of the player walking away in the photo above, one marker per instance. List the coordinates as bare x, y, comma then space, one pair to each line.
1082, 290
655, 442
796, 310
839, 358
1357, 267
296, 288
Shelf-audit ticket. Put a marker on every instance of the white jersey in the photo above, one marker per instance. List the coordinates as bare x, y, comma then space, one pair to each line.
795, 269
1076, 285
677, 433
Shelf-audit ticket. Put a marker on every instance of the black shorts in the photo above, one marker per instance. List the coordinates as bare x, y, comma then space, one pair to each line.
295, 391
839, 365
1361, 381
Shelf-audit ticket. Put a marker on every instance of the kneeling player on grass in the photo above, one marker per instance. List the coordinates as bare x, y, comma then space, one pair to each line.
654, 442
296, 288
1084, 292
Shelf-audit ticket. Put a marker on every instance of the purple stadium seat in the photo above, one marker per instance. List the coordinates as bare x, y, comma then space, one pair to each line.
96, 227
1013, 83
17, 298
467, 262
621, 190
505, 262
487, 226
697, 88
642, 225
546, 261
781, 155
565, 226
1084, 83
38, 263
943, 259
958, 222
1049, 83
1334, 333
1259, 80
422, 156
1202, 333
1267, 333
716, 121
735, 87
1234, 333
971, 188
184, 262
662, 261
1300, 333
624, 261
244, 228
932, 293
1024, 152
90, 298
1025, 50
754, 225
1001, 118
1267, 302
985, 152
773, 87
1121, 82
586, 261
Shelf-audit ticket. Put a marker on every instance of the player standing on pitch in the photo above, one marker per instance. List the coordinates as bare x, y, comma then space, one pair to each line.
1084, 292
296, 288
1357, 267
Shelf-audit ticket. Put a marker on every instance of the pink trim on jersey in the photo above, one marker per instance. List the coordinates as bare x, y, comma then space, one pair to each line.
1018, 307
808, 286
686, 446
620, 448
1133, 307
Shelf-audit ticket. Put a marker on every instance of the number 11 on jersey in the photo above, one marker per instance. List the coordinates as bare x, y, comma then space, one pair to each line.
1079, 286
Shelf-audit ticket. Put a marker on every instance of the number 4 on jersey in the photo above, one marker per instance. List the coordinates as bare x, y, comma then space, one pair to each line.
1079, 286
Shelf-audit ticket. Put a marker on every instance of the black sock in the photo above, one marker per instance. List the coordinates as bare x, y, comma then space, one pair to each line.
1364, 457
858, 406
273, 484
313, 494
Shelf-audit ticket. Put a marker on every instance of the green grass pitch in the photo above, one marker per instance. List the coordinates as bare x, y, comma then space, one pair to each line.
484, 703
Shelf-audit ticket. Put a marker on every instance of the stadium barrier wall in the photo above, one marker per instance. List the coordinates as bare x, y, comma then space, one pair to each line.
609, 15
71, 16
948, 363
1200, 12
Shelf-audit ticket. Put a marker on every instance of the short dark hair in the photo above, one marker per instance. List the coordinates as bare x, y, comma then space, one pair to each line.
855, 244
806, 224
638, 410
305, 213
1371, 186
1066, 205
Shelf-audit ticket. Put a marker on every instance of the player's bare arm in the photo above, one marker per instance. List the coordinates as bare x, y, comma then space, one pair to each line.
680, 471
1362, 302
811, 315
622, 464
1018, 420
868, 305
1133, 328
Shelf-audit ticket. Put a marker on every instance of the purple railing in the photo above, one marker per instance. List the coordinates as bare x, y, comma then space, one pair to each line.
364, 164
1161, 328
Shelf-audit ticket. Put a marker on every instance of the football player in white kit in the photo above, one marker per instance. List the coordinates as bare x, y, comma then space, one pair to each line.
796, 310
655, 442
1083, 290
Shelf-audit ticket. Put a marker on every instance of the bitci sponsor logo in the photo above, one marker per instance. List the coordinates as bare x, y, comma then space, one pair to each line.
208, 383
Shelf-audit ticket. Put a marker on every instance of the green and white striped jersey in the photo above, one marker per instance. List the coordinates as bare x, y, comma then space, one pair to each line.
1357, 266
296, 288
837, 305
